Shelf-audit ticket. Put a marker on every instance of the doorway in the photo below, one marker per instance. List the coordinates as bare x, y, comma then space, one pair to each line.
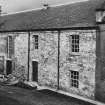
8, 67
35, 71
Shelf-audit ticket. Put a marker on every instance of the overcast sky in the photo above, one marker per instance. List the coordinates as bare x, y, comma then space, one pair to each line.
9, 6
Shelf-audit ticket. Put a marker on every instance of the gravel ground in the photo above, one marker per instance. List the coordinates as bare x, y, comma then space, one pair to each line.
10, 95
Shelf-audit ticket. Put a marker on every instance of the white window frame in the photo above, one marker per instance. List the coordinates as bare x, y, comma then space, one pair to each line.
36, 42
75, 42
8, 50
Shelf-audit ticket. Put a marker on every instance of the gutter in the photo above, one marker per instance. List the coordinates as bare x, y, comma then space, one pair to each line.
51, 29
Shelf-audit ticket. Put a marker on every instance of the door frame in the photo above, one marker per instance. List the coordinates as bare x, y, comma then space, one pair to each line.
34, 60
8, 59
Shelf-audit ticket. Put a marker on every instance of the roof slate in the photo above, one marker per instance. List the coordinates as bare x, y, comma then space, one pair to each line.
80, 14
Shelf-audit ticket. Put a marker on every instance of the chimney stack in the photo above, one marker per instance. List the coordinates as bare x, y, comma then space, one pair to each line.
46, 6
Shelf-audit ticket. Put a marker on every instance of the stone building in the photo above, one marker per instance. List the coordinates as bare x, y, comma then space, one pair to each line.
59, 47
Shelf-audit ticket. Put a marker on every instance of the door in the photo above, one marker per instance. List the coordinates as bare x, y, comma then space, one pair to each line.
35, 71
9, 67
1, 64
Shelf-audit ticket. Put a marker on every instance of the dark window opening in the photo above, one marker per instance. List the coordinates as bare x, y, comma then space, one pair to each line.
36, 41
8, 67
75, 79
75, 43
35, 70
10, 46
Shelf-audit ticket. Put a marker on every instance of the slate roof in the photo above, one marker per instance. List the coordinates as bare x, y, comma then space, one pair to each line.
80, 14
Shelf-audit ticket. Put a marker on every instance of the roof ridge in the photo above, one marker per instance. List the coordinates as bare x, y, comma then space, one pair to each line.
53, 6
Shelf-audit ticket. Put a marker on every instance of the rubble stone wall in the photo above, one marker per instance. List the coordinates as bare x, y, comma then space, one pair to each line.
83, 61
47, 57
20, 54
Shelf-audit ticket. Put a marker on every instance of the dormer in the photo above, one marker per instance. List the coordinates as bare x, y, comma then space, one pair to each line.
100, 14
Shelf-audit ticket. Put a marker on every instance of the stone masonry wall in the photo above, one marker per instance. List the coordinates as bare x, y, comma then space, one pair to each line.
20, 54
83, 61
47, 57
3, 50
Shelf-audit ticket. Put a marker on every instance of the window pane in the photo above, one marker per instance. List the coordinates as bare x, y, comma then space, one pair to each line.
75, 43
75, 77
73, 37
76, 50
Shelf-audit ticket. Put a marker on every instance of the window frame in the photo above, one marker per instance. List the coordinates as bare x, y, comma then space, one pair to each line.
75, 41
9, 46
74, 78
36, 41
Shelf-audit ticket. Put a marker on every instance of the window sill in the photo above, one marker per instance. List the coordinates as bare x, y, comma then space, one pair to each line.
74, 54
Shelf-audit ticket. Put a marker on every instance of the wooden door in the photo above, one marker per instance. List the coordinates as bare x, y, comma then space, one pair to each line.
35, 71
9, 67
1, 64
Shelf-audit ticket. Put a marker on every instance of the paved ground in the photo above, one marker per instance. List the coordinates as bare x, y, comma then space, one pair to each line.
10, 95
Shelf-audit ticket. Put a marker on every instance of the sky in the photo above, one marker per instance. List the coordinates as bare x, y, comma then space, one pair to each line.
11, 6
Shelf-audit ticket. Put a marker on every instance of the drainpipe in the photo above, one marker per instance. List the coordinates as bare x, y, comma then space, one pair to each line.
58, 59
28, 63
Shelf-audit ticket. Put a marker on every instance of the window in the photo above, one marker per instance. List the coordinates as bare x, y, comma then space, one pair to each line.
75, 43
9, 47
75, 79
35, 41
